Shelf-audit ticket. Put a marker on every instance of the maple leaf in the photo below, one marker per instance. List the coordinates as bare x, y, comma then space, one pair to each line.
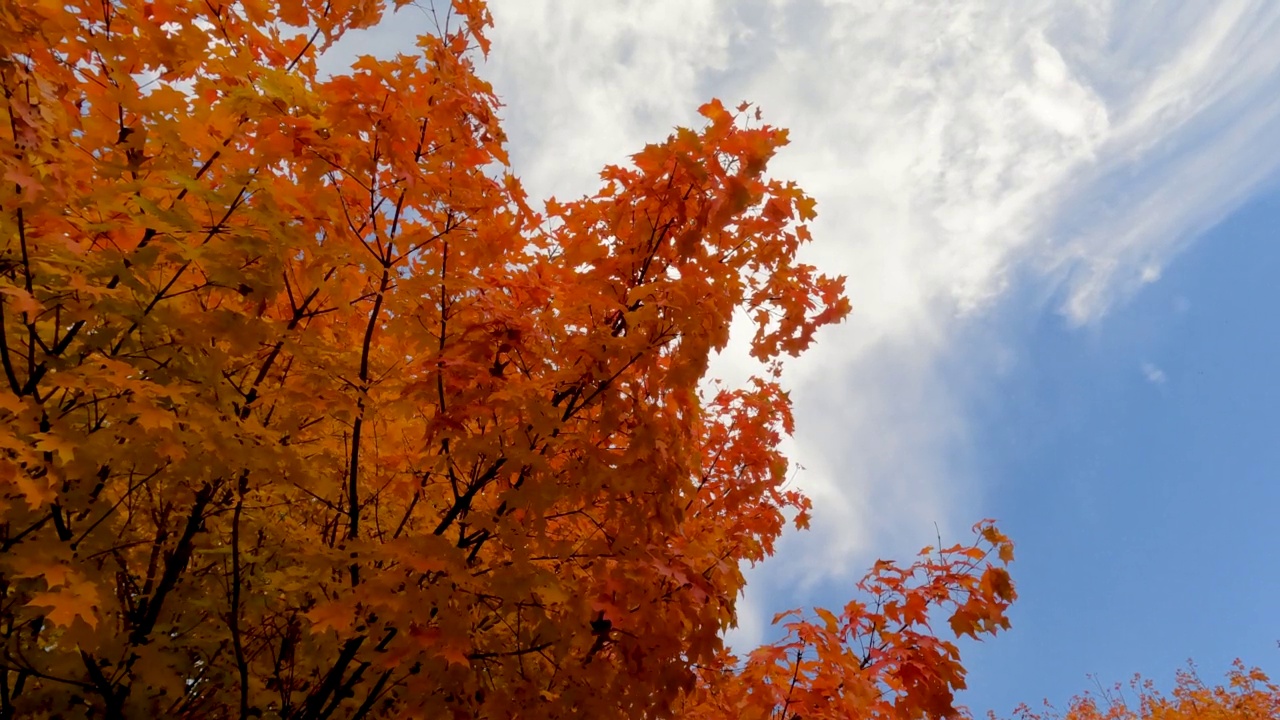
64, 605
37, 491
62, 447
1247, 693
21, 301
334, 615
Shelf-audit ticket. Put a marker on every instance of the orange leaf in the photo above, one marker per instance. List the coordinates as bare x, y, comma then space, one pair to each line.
67, 603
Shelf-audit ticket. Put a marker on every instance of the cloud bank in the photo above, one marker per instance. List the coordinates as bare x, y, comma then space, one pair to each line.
963, 154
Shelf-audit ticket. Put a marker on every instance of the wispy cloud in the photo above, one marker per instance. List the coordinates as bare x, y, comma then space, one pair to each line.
962, 153
1196, 109
1154, 374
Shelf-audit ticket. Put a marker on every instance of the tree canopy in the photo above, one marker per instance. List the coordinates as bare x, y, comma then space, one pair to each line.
306, 412
1248, 694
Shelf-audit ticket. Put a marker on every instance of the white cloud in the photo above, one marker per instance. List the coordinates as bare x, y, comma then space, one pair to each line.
1065, 148
589, 83
1154, 374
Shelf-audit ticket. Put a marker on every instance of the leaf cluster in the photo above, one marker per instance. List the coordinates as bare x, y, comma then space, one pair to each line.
1247, 693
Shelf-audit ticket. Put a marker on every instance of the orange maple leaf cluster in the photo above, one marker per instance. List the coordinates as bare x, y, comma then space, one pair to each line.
1247, 694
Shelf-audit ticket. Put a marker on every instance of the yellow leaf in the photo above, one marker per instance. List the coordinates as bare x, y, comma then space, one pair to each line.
829, 618
331, 615
62, 447
153, 418
66, 603
12, 403
553, 594
1006, 552
38, 492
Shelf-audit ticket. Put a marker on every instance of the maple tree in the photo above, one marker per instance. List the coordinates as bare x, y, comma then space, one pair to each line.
306, 413
1247, 694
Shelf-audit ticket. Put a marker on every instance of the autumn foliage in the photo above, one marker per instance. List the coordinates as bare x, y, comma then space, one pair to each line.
306, 413
1248, 694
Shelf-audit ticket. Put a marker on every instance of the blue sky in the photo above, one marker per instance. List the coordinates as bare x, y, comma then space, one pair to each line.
1136, 465
1055, 217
